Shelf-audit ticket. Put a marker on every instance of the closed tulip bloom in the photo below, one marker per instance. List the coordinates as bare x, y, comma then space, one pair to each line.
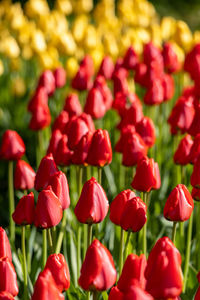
179, 204
4, 245
46, 168
197, 295
182, 156
195, 149
76, 129
133, 269
58, 267
46, 288
151, 180
41, 118
134, 215
95, 105
101, 85
100, 151
88, 64
115, 294
40, 98
118, 204
60, 77
88, 121
126, 132
12, 146
8, 282
130, 59
48, 212
6, 296
47, 80
25, 210
81, 81
24, 176
98, 270
63, 154
133, 114
92, 206
151, 53
168, 87
106, 68
119, 103
163, 271
134, 150
195, 177
188, 64
170, 58
81, 150
196, 194
61, 121
53, 144
141, 74
137, 293
155, 93
154, 73
194, 129
60, 187
120, 81
72, 105
118, 65
147, 131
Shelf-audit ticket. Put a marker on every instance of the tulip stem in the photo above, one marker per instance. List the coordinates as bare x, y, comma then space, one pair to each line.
187, 255
95, 295
61, 234
50, 240
174, 232
23, 245
89, 235
99, 175
144, 240
44, 247
40, 147
126, 245
121, 251
78, 249
11, 201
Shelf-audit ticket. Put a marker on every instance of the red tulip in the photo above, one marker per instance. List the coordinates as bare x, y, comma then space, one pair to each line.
61, 121
115, 294
46, 168
118, 65
80, 154
132, 114
76, 129
8, 282
134, 215
151, 180
101, 85
95, 105
88, 65
133, 269
163, 271
154, 73
41, 118
195, 149
151, 53
134, 150
147, 131
100, 151
119, 103
58, 267
130, 59
72, 105
118, 204
168, 87
182, 155
98, 270
92, 206
106, 68
40, 98
194, 129
48, 212
24, 176
155, 93
120, 81
88, 121
60, 77
179, 204
125, 134
170, 58
46, 288
25, 210
81, 81
190, 58
54, 141
197, 295
196, 194
136, 293
12, 146
141, 74
6, 296
4, 245
47, 80
60, 187
195, 177
63, 154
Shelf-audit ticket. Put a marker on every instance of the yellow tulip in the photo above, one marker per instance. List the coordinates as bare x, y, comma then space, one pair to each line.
10, 47
82, 6
45, 60
71, 67
131, 85
36, 8
65, 6
67, 44
196, 37
97, 56
183, 35
38, 41
167, 26
90, 40
79, 28
156, 35
18, 87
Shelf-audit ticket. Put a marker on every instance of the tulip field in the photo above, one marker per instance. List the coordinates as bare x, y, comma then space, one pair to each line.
99, 152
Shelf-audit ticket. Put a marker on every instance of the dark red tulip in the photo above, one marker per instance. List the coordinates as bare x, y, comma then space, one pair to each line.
92, 206
147, 131
100, 151
88, 121
118, 65
195, 149
134, 215
88, 64
196, 194
48, 212
98, 270
24, 176
40, 98
95, 105
194, 129
46, 288
76, 129
4, 245
132, 115
154, 73
126, 132
63, 154
80, 154
189, 59
163, 271
168, 87
115, 294
61, 121
151, 180
46, 168
119, 103
152, 54
25, 210
101, 85
58, 267
12, 146
106, 68
170, 58
195, 177
134, 150
55, 138
182, 156
179, 204
60, 187
133, 269
130, 59
141, 74
60, 77
81, 81
137, 293
8, 282
41, 118
6, 296
197, 295
47, 80
120, 81
72, 105
155, 93
118, 204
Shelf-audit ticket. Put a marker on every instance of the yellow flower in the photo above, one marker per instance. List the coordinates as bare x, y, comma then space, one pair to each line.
183, 35
178, 50
1, 67
167, 26
79, 28
15, 64
131, 85
156, 34
196, 37
36, 8
27, 52
65, 6
38, 42
18, 87
97, 56
71, 67
90, 40
10, 47
67, 44
82, 6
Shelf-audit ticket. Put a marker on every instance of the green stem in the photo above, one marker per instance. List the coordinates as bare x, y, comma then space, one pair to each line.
80, 179
198, 234
88, 172
50, 240
122, 176
144, 240
11, 201
44, 247
95, 295
54, 236
89, 241
85, 232
99, 175
174, 232
23, 245
187, 255
126, 245
78, 250
40, 147
121, 251
62, 231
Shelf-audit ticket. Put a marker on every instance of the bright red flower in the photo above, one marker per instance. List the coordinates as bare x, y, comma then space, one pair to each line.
182, 156
100, 83
136, 293
154, 73
63, 154
55, 138
12, 146
72, 105
151, 53
6, 296
95, 105
189, 64
24, 176
41, 118
194, 129
115, 294
147, 131
195, 177
4, 245
47, 80
196, 194
81, 81
155, 93
61, 121
80, 154
141, 74
92, 206
168, 87
25, 210
88, 121
76, 129
197, 295
120, 81
98, 270
126, 132
40, 98
195, 149
130, 59
60, 77
132, 115
170, 58
8, 282
106, 68
88, 64
118, 65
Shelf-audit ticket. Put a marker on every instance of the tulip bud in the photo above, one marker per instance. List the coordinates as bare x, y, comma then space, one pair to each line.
81, 150
194, 129
170, 58
141, 74
88, 121
8, 282
98, 270
152, 53
41, 118
132, 114
54, 141
155, 93
196, 194
76, 129
47, 80
12, 146
130, 59
195, 149
146, 130
88, 65
72, 105
182, 155
168, 87
40, 98
118, 204
61, 121
94, 105
100, 84
25, 210
4, 245
106, 68
195, 177
48, 212
115, 294
125, 134
24, 176
120, 81
60, 77
6, 296
136, 293
81, 81
63, 154
92, 206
